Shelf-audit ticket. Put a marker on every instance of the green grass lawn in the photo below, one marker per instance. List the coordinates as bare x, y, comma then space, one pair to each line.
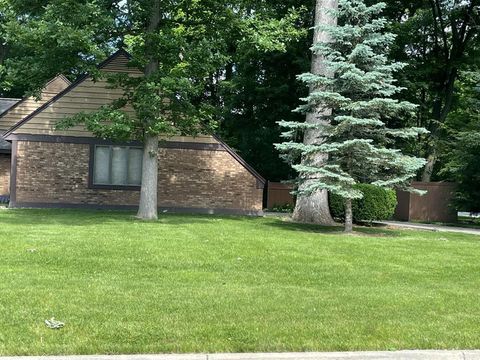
229, 284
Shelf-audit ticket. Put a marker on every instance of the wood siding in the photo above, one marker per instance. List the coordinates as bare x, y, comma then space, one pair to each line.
120, 64
52, 168
29, 105
87, 96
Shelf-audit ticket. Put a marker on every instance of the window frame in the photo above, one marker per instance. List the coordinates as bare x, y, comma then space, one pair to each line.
91, 169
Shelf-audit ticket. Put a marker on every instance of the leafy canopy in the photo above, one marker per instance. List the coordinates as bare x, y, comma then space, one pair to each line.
189, 46
461, 144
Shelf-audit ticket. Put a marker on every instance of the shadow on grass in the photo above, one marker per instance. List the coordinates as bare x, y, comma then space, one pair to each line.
334, 230
82, 217
69, 217
76, 217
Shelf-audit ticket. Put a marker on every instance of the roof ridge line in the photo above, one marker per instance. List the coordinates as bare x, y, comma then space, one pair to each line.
23, 99
242, 162
63, 92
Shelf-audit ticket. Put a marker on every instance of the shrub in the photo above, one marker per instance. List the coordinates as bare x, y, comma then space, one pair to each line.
285, 208
377, 204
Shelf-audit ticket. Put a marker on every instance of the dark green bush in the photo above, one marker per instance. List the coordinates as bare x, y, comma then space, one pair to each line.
377, 204
285, 208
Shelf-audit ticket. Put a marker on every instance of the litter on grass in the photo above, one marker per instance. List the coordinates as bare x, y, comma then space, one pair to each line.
54, 324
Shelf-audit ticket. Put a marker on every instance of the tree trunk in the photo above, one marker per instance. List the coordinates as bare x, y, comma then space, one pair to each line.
429, 167
348, 216
441, 110
147, 209
314, 208
148, 194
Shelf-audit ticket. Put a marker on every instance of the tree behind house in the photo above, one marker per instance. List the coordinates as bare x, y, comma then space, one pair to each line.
439, 39
179, 45
175, 59
461, 146
359, 147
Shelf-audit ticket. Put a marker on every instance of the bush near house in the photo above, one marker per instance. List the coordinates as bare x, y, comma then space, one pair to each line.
377, 204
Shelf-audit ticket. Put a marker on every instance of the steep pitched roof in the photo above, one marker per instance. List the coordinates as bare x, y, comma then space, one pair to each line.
5, 104
116, 62
21, 108
242, 162
112, 64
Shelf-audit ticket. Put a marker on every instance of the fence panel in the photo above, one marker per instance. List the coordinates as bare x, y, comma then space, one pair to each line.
278, 194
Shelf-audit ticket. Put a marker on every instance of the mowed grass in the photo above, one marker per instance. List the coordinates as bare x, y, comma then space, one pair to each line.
229, 284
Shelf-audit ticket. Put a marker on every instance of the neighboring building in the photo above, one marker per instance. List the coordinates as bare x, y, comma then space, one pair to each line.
5, 151
7, 103
5, 162
72, 168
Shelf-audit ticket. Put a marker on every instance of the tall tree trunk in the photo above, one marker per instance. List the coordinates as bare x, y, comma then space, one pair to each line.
441, 109
314, 208
348, 216
148, 207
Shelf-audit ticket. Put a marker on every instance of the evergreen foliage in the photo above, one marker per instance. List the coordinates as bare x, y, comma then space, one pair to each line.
359, 145
376, 204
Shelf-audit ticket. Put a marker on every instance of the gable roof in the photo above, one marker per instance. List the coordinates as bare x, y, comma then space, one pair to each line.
81, 79
242, 162
23, 107
116, 62
5, 104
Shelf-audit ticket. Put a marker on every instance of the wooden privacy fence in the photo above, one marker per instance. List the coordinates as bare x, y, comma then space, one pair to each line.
436, 205
278, 194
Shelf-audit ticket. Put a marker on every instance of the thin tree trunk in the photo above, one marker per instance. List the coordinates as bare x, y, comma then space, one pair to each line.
440, 112
429, 167
147, 209
348, 216
314, 208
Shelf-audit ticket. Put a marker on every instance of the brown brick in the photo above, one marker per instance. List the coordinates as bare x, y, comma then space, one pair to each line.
57, 173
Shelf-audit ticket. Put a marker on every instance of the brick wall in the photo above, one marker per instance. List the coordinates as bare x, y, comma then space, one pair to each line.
57, 173
5, 164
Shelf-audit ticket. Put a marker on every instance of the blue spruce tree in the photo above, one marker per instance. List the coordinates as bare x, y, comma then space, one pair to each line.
356, 143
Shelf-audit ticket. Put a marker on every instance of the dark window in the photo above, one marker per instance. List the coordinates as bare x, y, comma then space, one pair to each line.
117, 166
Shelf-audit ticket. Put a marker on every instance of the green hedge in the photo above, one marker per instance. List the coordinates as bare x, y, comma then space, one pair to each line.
377, 204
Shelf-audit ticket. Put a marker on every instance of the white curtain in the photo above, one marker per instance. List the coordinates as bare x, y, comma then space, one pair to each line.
102, 165
135, 166
119, 165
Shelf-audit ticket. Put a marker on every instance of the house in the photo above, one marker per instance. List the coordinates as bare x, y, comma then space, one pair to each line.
5, 152
74, 169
